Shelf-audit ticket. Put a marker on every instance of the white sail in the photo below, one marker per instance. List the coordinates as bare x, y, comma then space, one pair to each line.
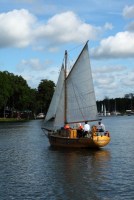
55, 102
60, 115
80, 96
81, 102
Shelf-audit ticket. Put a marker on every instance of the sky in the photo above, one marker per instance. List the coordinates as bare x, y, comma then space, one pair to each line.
34, 35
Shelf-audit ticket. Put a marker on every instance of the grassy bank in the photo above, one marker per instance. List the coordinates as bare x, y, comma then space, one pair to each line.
12, 120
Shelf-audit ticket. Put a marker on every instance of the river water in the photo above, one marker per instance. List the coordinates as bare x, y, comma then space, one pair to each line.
31, 169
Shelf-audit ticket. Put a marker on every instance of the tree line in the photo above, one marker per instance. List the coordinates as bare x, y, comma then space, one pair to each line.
117, 104
17, 98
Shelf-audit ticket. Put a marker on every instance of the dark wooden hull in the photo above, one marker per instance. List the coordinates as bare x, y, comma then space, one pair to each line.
92, 142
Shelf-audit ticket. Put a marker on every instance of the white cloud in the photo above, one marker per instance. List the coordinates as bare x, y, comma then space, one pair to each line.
120, 45
105, 81
130, 26
15, 28
113, 83
33, 79
105, 85
33, 71
19, 28
67, 27
128, 80
32, 64
108, 26
128, 11
108, 69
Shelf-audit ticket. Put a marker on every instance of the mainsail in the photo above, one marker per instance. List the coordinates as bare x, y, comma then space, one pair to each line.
80, 95
81, 102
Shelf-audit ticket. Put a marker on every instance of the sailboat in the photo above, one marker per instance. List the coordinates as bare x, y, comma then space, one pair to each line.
74, 102
102, 110
105, 112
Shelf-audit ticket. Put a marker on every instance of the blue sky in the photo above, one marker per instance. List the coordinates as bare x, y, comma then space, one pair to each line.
35, 33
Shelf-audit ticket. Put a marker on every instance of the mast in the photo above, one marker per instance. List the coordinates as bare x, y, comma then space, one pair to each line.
115, 105
65, 99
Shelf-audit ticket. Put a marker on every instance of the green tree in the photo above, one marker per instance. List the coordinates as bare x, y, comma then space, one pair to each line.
5, 89
44, 94
15, 94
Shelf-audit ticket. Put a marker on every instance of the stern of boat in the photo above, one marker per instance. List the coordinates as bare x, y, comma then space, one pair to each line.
101, 140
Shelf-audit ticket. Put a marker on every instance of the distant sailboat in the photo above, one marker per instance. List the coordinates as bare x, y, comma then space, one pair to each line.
74, 102
102, 110
105, 112
115, 112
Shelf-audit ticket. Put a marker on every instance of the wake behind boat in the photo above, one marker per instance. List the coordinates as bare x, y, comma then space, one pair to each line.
74, 102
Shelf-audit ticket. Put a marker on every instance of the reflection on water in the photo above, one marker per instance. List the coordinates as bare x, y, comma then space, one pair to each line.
82, 171
31, 169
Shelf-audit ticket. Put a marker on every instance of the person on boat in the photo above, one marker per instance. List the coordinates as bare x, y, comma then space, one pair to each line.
80, 126
66, 126
80, 130
100, 127
86, 129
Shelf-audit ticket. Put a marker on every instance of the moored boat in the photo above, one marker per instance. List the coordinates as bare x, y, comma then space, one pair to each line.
40, 116
74, 102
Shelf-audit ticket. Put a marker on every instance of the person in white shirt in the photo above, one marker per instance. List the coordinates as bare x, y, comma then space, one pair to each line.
86, 129
100, 127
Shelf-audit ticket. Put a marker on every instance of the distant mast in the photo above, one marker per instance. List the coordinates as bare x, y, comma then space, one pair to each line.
102, 110
105, 112
115, 108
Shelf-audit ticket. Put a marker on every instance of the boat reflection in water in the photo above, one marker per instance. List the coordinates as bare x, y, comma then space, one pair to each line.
84, 171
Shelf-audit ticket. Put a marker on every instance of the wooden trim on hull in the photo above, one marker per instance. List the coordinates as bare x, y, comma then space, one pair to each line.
93, 142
